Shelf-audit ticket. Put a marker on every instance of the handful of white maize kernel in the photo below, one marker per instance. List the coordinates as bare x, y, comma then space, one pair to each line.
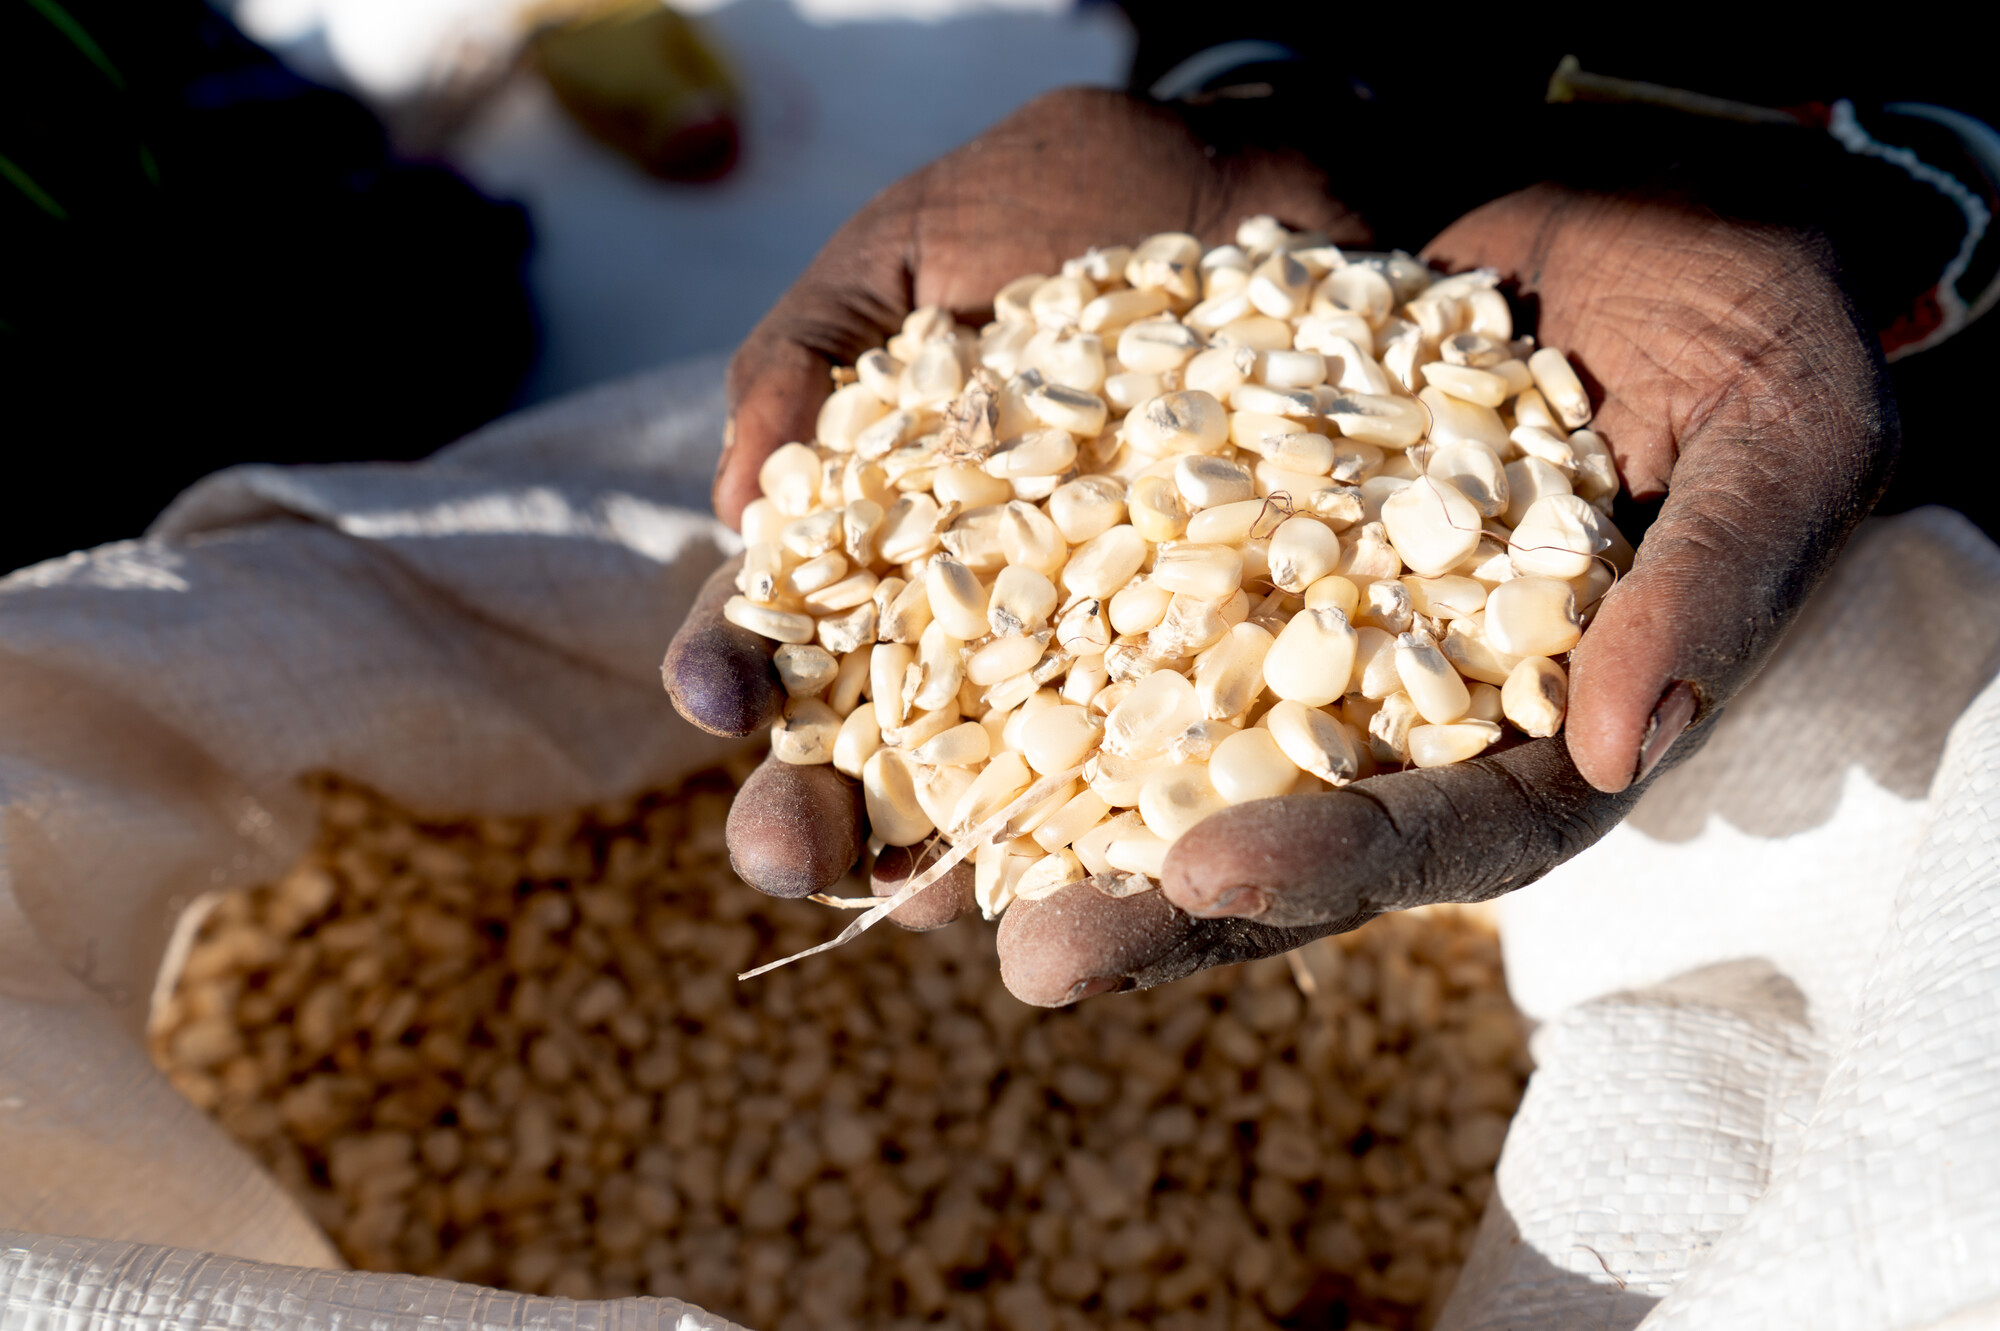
1198, 528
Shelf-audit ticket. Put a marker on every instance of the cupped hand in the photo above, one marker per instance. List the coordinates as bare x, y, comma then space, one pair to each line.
1731, 375
1070, 170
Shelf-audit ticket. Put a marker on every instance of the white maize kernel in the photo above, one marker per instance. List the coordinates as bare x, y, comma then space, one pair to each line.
1206, 571
1074, 410
961, 746
1294, 403
1356, 290
857, 741
1188, 421
1367, 554
1048, 452
1333, 592
1058, 738
1137, 850
1375, 663
855, 589
1446, 597
1230, 674
957, 599
1078, 815
1176, 797
1312, 659
1059, 301
1048, 873
1486, 704
845, 695
804, 670
1021, 601
1156, 346
804, 736
1440, 745
889, 793
1316, 743
848, 411
1219, 311
1480, 387
1303, 551
1087, 507
781, 625
1232, 524
1280, 287
1138, 606
1218, 371
1147, 719
941, 667
1389, 728
1006, 775
1475, 471
762, 522
1128, 388
1530, 479
1533, 616
1300, 452
1560, 387
1086, 679
1431, 525
1558, 537
1377, 418
1454, 421
1535, 696
1259, 332
887, 664
1205, 481
1249, 765
1436, 689
1466, 646
1115, 309
1003, 658
1090, 847
789, 478
1291, 369
907, 612
1155, 509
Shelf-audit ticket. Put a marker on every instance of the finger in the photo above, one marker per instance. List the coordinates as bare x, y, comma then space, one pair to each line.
949, 898
1467, 832
1730, 372
720, 676
853, 296
794, 831
1078, 942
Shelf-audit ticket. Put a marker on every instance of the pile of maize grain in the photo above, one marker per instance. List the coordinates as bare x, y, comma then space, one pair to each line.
1177, 530
512, 1051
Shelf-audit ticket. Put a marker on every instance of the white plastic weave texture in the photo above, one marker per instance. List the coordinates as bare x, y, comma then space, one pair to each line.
59, 1284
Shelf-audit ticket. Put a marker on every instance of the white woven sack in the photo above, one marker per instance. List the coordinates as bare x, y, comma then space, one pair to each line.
1768, 1064
482, 632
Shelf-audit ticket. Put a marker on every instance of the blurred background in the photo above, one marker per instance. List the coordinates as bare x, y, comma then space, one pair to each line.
325, 230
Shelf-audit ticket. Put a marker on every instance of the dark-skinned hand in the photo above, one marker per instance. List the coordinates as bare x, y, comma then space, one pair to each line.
1730, 373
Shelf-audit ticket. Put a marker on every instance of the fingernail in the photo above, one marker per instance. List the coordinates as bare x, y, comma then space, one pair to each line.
1670, 718
1245, 902
1083, 989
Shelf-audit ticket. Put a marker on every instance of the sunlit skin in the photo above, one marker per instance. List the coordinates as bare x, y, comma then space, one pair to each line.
1730, 375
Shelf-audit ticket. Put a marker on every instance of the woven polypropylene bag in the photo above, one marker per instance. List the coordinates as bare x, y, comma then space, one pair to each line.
1764, 1002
